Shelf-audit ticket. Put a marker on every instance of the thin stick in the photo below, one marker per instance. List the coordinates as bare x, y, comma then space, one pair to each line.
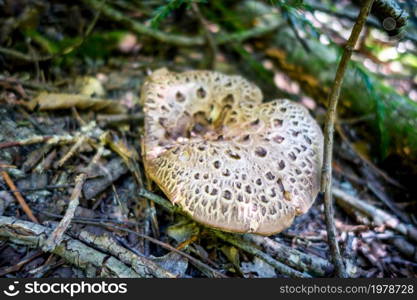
108, 223
157, 242
94, 262
81, 141
19, 197
236, 241
29, 141
326, 182
379, 216
113, 224
294, 258
57, 235
16, 267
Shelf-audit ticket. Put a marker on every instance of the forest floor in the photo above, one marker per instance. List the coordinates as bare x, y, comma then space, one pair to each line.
75, 202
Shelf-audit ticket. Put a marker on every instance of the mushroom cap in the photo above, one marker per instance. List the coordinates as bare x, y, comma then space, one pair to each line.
230, 161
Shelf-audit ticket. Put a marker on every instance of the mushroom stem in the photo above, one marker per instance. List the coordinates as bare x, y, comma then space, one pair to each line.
326, 182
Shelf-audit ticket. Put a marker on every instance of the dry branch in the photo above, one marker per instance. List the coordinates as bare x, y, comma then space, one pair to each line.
196, 262
56, 237
326, 183
28, 141
74, 148
379, 216
106, 176
57, 234
237, 241
14, 268
140, 264
94, 262
406, 248
19, 197
294, 258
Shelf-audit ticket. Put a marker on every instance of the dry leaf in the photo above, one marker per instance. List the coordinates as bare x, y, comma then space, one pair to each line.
53, 101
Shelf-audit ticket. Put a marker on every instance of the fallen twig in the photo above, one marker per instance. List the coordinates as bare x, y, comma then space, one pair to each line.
29, 84
406, 248
107, 223
57, 234
365, 160
80, 142
159, 243
292, 257
236, 241
23, 56
105, 177
28, 141
379, 216
159, 200
328, 136
140, 264
50, 140
19, 197
130, 158
94, 262
139, 28
16, 267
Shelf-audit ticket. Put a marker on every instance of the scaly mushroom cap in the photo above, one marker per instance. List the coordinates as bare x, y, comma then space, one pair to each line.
229, 160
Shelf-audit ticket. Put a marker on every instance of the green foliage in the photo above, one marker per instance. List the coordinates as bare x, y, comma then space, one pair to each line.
288, 4
97, 45
263, 74
101, 44
292, 11
225, 17
162, 12
380, 109
48, 45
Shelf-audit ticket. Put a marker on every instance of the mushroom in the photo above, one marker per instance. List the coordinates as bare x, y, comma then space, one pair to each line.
227, 159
